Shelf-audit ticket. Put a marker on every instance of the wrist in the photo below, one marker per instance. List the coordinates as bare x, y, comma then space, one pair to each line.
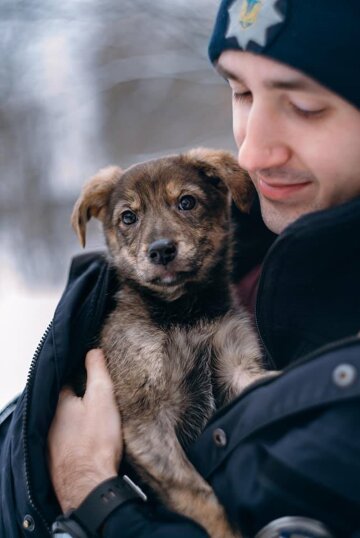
88, 519
79, 485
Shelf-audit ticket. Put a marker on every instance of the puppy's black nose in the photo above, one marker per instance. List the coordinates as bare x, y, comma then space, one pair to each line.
162, 251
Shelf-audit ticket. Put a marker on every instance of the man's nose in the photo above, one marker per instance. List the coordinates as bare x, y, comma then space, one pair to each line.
264, 142
162, 251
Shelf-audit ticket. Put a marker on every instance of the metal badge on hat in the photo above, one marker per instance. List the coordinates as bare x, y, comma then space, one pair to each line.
249, 20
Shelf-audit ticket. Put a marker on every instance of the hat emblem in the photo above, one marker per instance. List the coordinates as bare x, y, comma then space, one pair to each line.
249, 12
249, 20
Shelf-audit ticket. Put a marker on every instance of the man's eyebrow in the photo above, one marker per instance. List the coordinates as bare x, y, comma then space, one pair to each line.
289, 84
273, 84
228, 75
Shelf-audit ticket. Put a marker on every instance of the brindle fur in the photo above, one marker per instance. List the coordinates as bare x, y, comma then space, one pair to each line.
175, 352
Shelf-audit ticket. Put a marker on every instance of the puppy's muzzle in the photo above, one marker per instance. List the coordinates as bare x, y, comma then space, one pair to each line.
162, 251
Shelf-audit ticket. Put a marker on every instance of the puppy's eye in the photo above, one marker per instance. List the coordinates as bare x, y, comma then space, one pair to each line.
187, 202
128, 217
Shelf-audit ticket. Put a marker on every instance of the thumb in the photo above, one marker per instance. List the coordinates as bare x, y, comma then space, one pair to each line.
98, 377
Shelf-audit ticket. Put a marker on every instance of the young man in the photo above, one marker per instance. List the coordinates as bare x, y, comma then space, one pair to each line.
285, 455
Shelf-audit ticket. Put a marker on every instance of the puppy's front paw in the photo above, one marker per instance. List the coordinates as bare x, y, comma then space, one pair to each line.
243, 378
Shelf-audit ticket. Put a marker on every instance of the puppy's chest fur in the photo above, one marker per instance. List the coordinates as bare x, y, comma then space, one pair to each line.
162, 359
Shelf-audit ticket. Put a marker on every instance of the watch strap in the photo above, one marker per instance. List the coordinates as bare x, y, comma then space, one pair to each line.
64, 527
104, 499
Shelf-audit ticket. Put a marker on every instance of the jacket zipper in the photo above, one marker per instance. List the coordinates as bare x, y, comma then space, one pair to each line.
28, 389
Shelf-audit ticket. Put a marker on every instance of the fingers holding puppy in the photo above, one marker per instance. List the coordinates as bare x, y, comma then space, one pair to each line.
85, 438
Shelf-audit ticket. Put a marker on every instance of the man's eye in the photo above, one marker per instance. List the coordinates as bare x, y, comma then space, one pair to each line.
305, 113
242, 97
187, 202
128, 217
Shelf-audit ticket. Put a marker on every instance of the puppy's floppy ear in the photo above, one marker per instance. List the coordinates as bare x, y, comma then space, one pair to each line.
222, 164
93, 199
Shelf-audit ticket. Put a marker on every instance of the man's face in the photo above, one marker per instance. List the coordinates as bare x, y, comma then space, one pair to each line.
299, 142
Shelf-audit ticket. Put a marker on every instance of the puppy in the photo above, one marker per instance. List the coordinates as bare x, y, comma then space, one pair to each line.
177, 346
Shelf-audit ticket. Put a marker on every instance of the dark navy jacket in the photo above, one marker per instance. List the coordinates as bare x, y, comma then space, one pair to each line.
291, 444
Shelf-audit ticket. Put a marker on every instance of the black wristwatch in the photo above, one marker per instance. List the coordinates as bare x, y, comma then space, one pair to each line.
88, 518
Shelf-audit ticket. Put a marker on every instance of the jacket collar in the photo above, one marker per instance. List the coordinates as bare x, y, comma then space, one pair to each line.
309, 291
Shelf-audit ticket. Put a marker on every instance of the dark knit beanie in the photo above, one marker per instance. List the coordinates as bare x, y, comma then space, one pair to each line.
321, 38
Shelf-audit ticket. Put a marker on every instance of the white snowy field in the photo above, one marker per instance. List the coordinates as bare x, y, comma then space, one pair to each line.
24, 316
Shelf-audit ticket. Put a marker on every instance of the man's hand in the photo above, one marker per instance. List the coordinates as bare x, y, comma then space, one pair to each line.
85, 440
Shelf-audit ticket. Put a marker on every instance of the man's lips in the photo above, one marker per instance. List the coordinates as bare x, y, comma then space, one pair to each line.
280, 191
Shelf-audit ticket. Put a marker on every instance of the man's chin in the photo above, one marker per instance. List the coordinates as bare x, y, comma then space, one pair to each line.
277, 217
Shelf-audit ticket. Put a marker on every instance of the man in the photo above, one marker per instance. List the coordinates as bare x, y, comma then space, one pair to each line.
288, 447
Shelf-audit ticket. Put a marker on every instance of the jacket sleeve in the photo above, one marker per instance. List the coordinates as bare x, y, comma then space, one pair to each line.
135, 519
307, 466
290, 447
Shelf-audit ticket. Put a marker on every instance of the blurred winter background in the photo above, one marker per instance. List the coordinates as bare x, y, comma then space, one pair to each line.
85, 83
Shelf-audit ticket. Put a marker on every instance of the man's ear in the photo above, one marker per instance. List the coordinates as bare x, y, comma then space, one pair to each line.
93, 200
224, 166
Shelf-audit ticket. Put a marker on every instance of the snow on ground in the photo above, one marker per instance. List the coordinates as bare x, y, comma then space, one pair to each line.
24, 316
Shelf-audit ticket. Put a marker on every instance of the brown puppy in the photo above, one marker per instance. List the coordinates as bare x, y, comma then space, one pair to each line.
176, 345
